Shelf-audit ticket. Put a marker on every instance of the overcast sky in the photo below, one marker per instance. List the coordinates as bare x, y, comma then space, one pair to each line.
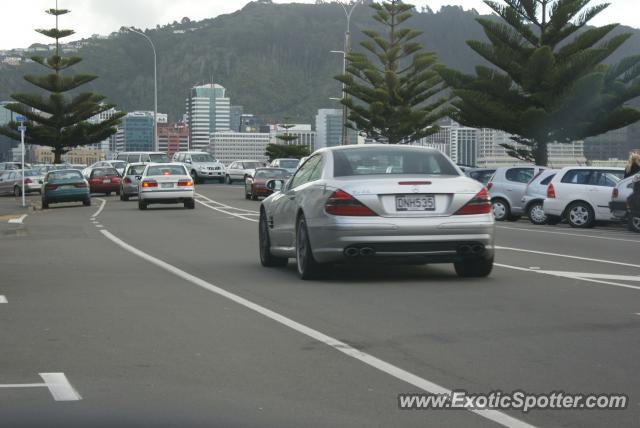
19, 18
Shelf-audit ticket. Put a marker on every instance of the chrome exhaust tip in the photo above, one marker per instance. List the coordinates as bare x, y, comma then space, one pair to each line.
477, 249
351, 252
367, 252
464, 250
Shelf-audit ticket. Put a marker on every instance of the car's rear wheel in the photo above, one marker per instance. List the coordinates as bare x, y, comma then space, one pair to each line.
308, 268
634, 222
108, 193
142, 205
475, 268
266, 258
500, 209
228, 180
87, 202
16, 191
580, 215
190, 204
123, 196
45, 205
536, 214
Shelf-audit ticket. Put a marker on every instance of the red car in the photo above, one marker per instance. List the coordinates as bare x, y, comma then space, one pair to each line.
104, 180
256, 186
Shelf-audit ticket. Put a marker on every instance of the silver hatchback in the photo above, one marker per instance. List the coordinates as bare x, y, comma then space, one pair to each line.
507, 187
130, 180
534, 195
377, 203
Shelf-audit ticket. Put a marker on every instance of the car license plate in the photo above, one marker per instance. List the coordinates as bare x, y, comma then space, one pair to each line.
106, 181
65, 187
166, 185
415, 203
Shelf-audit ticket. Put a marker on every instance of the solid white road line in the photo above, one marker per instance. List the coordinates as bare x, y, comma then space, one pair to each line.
241, 216
588, 259
569, 234
227, 206
3, 299
57, 384
102, 204
565, 275
397, 372
18, 220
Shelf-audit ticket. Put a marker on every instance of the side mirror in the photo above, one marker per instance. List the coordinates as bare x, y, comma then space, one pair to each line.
187, 161
275, 185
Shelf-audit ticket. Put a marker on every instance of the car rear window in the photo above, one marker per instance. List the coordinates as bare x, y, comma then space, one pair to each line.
379, 161
64, 176
519, 175
288, 164
103, 172
547, 180
272, 173
136, 170
167, 170
159, 157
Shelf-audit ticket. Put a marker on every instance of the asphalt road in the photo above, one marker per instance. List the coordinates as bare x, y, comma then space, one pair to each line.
166, 318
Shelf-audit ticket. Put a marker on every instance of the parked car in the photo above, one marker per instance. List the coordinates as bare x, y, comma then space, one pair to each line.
290, 165
7, 181
374, 204
201, 165
67, 185
507, 187
483, 175
131, 179
619, 196
240, 170
104, 180
534, 195
166, 183
581, 195
256, 186
144, 157
5, 166
32, 182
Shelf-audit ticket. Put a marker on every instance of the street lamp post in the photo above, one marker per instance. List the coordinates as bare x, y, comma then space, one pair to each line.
348, 11
155, 87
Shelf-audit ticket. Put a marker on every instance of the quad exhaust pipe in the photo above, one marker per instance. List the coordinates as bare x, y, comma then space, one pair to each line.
468, 250
363, 252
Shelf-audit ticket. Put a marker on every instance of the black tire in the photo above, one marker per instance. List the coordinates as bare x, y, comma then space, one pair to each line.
535, 212
108, 193
142, 205
87, 202
264, 245
580, 215
190, 204
307, 266
634, 222
16, 191
194, 176
500, 209
475, 268
552, 220
254, 197
228, 180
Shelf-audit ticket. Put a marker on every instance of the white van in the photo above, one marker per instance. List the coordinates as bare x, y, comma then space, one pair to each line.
144, 157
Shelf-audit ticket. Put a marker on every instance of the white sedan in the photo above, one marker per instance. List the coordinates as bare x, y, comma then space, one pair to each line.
166, 183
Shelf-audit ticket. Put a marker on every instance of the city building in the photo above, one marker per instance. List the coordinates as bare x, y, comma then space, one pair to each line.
614, 144
173, 137
235, 117
305, 136
6, 116
253, 124
109, 145
135, 133
229, 146
76, 156
329, 129
208, 111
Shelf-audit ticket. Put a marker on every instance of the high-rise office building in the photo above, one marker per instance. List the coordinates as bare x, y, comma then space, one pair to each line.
172, 138
135, 133
252, 123
208, 111
235, 117
329, 129
229, 146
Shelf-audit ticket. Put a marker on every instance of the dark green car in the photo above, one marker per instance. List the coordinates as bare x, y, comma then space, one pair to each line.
67, 185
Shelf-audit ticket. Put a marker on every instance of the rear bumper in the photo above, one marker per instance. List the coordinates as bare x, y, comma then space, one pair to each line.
71, 195
166, 196
438, 240
130, 189
553, 207
618, 209
101, 188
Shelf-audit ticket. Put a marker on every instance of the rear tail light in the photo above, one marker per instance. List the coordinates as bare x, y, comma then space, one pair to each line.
343, 204
185, 183
27, 181
127, 180
551, 192
81, 185
149, 183
489, 185
615, 193
50, 186
480, 204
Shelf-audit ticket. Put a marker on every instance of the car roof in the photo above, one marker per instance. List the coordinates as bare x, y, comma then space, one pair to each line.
599, 168
382, 146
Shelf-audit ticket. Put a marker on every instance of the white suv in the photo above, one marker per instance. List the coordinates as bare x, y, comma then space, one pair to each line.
201, 165
581, 195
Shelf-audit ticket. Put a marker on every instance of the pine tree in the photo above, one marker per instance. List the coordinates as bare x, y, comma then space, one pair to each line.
546, 88
286, 137
394, 93
58, 121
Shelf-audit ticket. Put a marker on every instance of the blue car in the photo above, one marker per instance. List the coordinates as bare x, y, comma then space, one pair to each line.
67, 185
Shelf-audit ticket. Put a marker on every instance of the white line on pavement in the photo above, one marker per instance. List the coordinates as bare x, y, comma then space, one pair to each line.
397, 372
18, 220
241, 216
3, 299
544, 253
103, 202
57, 384
227, 206
564, 275
568, 234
